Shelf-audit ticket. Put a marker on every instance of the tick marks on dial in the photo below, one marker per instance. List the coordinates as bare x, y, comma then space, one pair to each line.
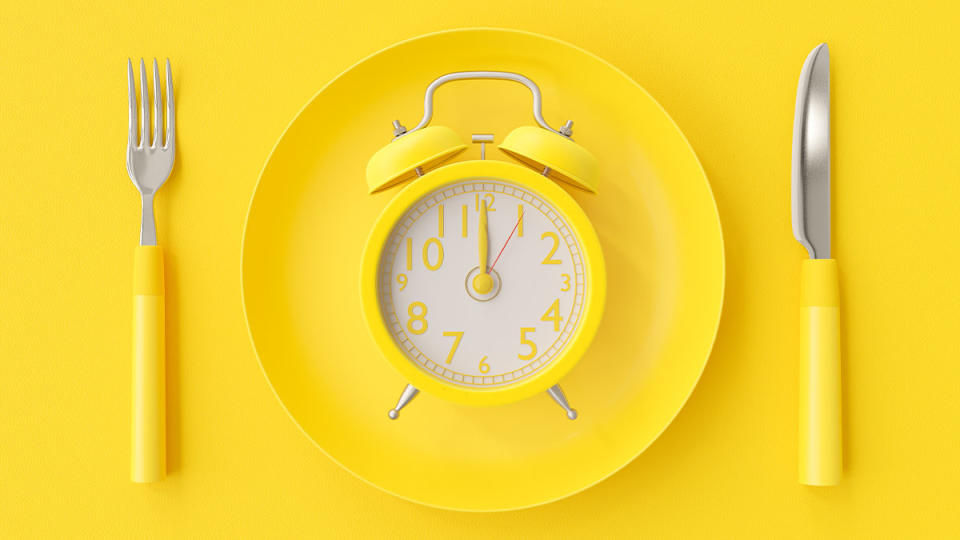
522, 306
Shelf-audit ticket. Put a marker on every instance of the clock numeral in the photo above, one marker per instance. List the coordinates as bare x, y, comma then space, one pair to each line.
566, 282
528, 343
426, 254
416, 317
402, 280
484, 367
488, 197
556, 243
463, 219
440, 220
553, 314
409, 254
457, 336
519, 220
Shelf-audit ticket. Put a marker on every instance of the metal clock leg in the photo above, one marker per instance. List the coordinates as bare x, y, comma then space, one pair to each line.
557, 394
409, 392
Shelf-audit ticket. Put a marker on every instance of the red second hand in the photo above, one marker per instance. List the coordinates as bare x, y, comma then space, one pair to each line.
519, 219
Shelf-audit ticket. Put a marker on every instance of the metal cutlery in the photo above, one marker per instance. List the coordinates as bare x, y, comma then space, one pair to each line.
820, 448
149, 162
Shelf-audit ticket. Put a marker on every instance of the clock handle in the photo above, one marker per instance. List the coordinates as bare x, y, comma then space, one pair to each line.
566, 130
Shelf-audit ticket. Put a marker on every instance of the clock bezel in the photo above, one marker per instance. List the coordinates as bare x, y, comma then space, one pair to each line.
594, 294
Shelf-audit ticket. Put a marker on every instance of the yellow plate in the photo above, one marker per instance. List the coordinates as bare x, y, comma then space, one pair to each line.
654, 214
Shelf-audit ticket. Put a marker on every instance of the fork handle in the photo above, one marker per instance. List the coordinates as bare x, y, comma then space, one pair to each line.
821, 454
148, 425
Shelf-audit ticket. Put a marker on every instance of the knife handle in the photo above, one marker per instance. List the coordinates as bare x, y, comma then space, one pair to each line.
821, 454
148, 423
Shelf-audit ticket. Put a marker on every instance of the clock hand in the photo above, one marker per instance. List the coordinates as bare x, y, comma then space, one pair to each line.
484, 244
483, 282
519, 219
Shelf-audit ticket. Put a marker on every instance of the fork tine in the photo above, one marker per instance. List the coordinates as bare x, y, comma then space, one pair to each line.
157, 115
144, 112
132, 137
170, 113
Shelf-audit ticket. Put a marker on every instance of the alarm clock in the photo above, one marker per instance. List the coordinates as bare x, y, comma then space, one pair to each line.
482, 281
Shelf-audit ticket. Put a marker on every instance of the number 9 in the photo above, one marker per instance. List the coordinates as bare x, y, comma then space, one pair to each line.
402, 280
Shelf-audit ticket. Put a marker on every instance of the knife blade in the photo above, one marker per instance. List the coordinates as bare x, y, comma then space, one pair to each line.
820, 449
811, 155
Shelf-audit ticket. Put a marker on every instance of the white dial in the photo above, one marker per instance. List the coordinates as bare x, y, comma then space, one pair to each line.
474, 313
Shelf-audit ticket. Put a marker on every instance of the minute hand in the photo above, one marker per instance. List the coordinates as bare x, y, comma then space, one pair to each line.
484, 244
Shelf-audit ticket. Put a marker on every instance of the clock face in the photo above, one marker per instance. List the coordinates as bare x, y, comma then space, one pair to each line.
481, 283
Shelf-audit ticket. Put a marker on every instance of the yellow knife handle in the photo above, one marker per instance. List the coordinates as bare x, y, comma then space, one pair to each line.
148, 429
821, 454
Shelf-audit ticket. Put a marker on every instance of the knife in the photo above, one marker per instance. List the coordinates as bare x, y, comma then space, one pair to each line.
820, 449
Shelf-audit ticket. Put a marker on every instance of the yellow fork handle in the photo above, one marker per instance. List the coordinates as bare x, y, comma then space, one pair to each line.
821, 454
148, 419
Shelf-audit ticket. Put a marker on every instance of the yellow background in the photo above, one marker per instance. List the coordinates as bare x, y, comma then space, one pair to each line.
726, 72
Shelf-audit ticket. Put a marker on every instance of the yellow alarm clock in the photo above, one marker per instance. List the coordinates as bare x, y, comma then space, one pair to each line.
482, 281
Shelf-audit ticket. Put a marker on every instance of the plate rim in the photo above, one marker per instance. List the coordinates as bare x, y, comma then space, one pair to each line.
686, 142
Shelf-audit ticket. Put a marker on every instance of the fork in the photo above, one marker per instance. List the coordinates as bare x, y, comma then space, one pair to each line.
149, 164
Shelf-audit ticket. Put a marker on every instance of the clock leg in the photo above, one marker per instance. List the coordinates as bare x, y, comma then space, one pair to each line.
409, 392
557, 394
